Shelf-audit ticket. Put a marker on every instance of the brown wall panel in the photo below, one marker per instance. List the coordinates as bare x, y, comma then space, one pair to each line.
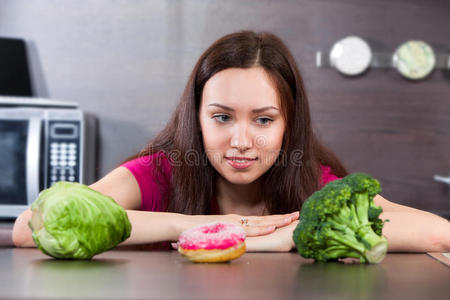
402, 140
128, 61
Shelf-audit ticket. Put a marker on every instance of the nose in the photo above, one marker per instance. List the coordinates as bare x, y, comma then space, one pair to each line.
241, 139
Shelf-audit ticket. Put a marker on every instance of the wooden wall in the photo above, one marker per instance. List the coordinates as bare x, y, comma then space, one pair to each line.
128, 61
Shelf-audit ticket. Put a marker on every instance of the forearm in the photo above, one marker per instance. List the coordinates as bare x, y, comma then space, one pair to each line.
147, 227
151, 227
416, 232
389, 206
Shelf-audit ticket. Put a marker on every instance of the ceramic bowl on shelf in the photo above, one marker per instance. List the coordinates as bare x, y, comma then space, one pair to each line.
414, 59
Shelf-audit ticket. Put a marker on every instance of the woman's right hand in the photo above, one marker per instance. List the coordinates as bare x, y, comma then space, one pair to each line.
252, 225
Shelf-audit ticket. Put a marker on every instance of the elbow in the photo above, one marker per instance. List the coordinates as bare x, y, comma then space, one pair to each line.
17, 239
21, 234
446, 241
440, 238
443, 244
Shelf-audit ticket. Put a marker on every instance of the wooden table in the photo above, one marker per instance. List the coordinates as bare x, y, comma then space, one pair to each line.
29, 274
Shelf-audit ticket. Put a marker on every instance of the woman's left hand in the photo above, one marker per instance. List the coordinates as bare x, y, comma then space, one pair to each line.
278, 241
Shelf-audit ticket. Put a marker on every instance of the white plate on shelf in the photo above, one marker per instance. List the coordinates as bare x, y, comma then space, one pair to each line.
351, 55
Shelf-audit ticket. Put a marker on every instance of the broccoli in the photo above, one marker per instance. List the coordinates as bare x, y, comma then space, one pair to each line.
341, 220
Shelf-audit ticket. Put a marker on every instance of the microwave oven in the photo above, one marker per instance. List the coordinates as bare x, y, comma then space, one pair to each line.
42, 141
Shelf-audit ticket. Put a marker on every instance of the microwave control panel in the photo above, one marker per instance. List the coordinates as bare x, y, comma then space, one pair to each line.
63, 152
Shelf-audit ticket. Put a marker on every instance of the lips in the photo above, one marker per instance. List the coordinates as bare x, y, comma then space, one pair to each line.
238, 158
240, 162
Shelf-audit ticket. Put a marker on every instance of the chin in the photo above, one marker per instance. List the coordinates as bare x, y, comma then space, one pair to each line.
240, 179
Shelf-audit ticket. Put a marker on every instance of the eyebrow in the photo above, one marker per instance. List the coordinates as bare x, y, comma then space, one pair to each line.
258, 110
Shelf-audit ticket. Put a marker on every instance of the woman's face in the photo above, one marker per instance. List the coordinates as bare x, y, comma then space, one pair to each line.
242, 124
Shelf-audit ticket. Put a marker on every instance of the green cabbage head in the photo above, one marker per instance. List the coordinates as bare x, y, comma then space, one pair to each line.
72, 221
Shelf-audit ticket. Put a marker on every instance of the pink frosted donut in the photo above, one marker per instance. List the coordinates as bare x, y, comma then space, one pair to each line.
212, 242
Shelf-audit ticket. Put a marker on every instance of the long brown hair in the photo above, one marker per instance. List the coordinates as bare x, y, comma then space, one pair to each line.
296, 173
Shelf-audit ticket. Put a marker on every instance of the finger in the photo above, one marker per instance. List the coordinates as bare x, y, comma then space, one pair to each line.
258, 230
283, 222
277, 216
270, 217
295, 215
271, 220
292, 214
279, 221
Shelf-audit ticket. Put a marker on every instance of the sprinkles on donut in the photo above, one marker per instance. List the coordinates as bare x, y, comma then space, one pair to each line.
212, 242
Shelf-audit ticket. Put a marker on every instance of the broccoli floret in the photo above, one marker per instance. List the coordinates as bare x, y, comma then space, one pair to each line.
341, 220
364, 186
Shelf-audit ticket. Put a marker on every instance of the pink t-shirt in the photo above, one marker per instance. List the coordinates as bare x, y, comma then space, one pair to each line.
152, 193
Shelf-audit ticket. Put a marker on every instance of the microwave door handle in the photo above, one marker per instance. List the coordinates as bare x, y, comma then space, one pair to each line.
32, 157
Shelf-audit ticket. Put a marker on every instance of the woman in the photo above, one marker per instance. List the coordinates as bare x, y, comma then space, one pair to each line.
240, 148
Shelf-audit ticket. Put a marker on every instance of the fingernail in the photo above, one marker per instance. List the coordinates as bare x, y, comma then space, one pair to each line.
288, 219
294, 214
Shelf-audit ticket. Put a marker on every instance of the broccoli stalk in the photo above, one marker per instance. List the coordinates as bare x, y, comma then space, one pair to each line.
339, 221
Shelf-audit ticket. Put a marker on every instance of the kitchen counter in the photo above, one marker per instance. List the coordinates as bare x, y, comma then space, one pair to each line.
26, 273
5, 234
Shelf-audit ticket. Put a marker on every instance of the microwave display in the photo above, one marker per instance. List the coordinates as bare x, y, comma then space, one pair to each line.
13, 139
64, 132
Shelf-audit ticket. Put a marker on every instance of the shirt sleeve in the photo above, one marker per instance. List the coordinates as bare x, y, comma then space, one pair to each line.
154, 187
327, 175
